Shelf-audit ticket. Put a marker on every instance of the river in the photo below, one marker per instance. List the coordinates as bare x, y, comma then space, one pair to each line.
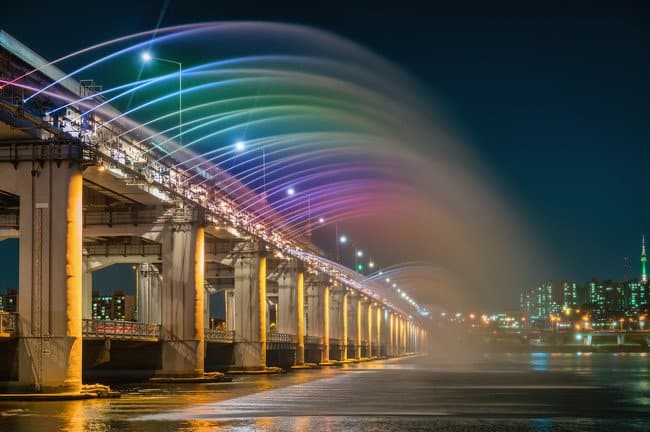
495, 392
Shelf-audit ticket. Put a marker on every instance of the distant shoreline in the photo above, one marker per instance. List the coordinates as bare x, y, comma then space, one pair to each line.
504, 348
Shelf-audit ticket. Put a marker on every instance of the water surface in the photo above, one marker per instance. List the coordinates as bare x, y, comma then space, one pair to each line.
497, 392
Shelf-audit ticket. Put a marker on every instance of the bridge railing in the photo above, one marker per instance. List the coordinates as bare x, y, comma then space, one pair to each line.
120, 329
281, 337
218, 335
313, 340
8, 322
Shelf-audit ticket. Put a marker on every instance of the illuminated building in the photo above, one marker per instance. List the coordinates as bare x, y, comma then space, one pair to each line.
116, 307
9, 301
538, 302
569, 295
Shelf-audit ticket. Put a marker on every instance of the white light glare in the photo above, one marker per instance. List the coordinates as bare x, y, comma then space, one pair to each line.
146, 56
240, 146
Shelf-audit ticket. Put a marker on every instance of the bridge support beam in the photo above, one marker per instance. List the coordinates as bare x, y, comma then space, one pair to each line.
182, 328
250, 314
50, 287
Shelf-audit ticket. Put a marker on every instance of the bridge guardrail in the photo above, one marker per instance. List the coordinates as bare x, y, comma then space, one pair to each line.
313, 340
120, 329
281, 337
218, 335
8, 322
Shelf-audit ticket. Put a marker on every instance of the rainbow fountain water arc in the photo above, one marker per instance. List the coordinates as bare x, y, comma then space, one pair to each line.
259, 109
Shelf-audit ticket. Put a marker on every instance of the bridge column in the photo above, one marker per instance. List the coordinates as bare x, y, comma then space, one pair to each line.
229, 300
50, 288
149, 294
359, 317
182, 327
339, 320
87, 290
378, 328
370, 317
391, 334
206, 308
250, 303
404, 335
397, 335
416, 339
326, 323
291, 305
314, 316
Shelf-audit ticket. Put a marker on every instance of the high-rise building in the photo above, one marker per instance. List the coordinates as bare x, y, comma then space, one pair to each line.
115, 307
569, 295
539, 302
636, 294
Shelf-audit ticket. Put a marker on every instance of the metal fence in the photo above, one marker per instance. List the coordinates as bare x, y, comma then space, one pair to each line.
218, 335
281, 337
8, 322
120, 329
313, 340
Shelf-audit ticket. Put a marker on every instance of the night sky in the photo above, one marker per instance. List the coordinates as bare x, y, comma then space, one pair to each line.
555, 98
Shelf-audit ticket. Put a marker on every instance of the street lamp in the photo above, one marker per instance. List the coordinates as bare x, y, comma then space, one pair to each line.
147, 57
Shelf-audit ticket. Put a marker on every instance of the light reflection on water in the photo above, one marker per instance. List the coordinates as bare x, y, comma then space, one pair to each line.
528, 392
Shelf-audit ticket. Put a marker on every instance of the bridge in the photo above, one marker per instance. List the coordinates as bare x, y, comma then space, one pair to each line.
84, 193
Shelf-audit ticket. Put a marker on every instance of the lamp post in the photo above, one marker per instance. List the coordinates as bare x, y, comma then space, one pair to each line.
147, 57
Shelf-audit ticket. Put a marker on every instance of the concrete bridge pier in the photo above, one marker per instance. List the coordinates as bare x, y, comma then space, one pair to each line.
87, 289
315, 314
50, 286
325, 304
370, 317
291, 307
149, 300
398, 334
182, 327
229, 300
391, 334
359, 329
378, 329
339, 321
249, 267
